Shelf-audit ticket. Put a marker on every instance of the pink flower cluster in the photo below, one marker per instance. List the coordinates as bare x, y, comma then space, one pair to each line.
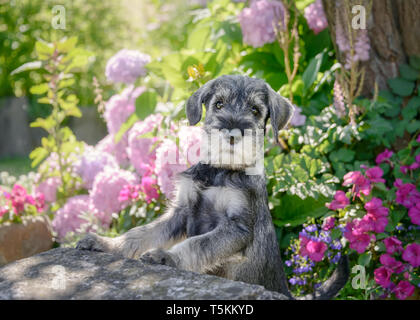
258, 21
408, 196
315, 16
314, 249
363, 184
132, 193
69, 218
360, 232
415, 165
126, 66
18, 199
393, 268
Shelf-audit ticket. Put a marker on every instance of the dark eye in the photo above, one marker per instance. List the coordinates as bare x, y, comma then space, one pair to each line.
219, 105
255, 111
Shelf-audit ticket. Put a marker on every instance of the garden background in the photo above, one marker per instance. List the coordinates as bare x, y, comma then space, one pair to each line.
92, 98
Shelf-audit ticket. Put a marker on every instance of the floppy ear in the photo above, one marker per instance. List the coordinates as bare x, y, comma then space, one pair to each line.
194, 106
281, 111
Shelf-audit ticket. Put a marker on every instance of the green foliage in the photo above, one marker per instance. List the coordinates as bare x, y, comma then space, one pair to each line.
60, 60
98, 24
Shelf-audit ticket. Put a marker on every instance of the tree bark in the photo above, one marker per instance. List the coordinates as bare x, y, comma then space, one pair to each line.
394, 33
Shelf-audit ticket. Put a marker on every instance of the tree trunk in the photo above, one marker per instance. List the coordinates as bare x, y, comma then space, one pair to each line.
394, 33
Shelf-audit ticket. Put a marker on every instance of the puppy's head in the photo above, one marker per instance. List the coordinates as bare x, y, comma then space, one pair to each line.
237, 111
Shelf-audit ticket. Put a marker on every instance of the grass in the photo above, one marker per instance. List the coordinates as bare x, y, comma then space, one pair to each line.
15, 166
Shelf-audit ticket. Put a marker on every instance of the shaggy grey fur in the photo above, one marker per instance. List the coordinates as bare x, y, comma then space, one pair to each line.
219, 222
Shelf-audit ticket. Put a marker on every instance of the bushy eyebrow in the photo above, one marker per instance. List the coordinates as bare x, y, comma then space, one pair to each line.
257, 96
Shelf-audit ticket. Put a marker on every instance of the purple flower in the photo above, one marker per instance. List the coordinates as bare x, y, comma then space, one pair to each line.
315, 16
257, 22
298, 119
126, 66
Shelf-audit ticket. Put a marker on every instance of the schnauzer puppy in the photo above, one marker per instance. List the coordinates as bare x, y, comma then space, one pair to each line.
219, 222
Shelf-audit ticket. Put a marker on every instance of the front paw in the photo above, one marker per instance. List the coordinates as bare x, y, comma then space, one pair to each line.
90, 242
159, 256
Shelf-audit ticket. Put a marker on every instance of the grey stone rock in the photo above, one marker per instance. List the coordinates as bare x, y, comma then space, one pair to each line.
65, 273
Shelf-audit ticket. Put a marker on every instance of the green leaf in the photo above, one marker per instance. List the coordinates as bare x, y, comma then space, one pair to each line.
27, 66
411, 109
311, 72
402, 87
39, 89
65, 45
294, 211
364, 259
43, 49
408, 72
415, 62
37, 155
342, 155
146, 104
413, 126
335, 233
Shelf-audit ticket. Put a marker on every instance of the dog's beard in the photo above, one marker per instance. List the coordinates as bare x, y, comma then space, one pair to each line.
246, 152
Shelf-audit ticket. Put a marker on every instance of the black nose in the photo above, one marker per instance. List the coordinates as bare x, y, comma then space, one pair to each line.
233, 135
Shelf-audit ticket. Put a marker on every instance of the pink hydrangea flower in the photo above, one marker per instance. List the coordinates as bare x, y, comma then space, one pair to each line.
375, 175
141, 150
414, 214
126, 66
315, 16
393, 245
382, 276
298, 119
129, 193
118, 150
340, 201
403, 290
190, 142
49, 188
120, 106
384, 156
257, 22
167, 166
69, 217
91, 163
411, 254
107, 187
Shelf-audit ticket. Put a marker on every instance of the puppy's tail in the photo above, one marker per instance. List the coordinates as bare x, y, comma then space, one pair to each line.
331, 287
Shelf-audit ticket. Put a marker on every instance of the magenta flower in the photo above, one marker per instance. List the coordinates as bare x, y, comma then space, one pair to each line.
316, 250
411, 254
374, 206
393, 245
315, 16
258, 21
407, 194
390, 262
375, 175
376, 223
361, 184
384, 156
356, 233
340, 201
149, 187
329, 223
303, 242
414, 214
418, 138
403, 290
383, 276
